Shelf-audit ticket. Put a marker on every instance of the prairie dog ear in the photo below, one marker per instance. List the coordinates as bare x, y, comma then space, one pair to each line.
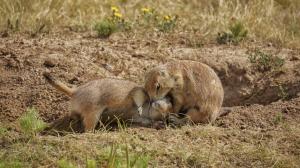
139, 96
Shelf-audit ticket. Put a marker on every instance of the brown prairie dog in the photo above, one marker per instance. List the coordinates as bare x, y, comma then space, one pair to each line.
195, 88
111, 97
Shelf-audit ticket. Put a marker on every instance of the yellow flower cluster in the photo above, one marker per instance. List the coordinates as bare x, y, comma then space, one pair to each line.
167, 18
114, 9
116, 12
146, 10
118, 15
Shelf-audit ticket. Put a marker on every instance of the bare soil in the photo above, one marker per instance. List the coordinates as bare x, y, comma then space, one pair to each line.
265, 102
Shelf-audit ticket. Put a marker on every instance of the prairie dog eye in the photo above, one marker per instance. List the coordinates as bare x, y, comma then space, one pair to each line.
157, 86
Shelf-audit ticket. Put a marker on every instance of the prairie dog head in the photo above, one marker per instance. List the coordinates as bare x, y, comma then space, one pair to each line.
159, 82
160, 109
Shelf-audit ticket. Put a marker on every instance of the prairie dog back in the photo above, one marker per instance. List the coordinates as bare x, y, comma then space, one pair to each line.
113, 97
195, 88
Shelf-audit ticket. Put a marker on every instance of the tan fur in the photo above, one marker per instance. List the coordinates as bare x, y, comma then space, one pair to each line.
108, 97
195, 88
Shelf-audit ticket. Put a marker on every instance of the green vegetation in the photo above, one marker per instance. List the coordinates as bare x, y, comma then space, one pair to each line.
14, 164
167, 24
105, 28
272, 21
137, 149
91, 163
264, 61
3, 130
278, 118
120, 156
65, 164
30, 122
283, 92
237, 33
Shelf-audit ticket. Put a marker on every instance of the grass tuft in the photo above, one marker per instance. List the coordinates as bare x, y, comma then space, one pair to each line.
31, 123
237, 32
272, 21
120, 155
91, 163
65, 164
105, 28
264, 61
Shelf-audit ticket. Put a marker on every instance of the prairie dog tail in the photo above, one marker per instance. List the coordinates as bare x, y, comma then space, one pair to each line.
58, 85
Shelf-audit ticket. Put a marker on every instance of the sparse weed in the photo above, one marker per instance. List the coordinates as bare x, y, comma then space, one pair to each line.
14, 164
264, 61
282, 92
13, 25
109, 25
3, 130
237, 32
91, 163
194, 43
105, 28
65, 164
119, 156
31, 123
121, 124
278, 118
168, 23
148, 18
275, 22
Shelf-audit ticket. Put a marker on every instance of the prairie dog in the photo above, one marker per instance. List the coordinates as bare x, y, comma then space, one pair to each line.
111, 98
195, 88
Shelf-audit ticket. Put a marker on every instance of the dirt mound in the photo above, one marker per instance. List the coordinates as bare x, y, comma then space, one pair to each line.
244, 83
76, 59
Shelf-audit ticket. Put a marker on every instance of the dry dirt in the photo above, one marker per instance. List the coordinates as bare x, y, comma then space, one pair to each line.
76, 58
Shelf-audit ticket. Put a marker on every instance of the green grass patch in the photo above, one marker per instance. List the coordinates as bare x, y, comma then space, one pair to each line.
31, 123
265, 61
237, 32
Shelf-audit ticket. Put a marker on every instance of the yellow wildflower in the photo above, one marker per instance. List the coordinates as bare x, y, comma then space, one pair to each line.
167, 17
118, 15
114, 9
146, 10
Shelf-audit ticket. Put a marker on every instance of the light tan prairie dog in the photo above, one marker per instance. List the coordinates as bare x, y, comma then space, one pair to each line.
195, 88
111, 98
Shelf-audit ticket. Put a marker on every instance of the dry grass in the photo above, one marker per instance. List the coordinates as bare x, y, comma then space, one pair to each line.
188, 147
276, 21
253, 140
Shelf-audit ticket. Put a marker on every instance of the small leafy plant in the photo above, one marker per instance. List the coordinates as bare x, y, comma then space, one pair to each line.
264, 61
105, 28
278, 118
283, 94
237, 32
120, 156
91, 163
168, 23
148, 18
31, 123
108, 26
3, 131
65, 164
